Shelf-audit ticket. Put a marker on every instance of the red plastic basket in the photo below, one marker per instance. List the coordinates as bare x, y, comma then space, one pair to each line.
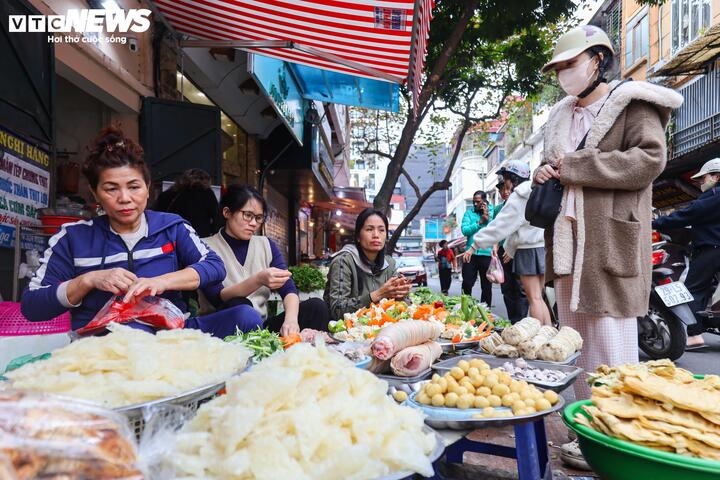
14, 324
51, 223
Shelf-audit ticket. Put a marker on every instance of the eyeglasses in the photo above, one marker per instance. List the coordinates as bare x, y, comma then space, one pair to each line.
249, 216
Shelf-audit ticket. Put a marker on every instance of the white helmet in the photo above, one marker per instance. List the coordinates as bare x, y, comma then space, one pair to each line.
519, 168
575, 42
711, 166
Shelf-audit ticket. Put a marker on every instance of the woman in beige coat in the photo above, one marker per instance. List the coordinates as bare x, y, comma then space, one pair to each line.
599, 248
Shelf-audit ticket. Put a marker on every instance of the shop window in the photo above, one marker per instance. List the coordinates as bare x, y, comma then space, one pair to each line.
371, 181
690, 20
354, 180
638, 39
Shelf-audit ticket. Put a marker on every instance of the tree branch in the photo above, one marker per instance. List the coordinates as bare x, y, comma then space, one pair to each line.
378, 152
411, 182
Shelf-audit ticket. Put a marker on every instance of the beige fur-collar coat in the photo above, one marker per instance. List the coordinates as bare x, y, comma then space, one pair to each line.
608, 250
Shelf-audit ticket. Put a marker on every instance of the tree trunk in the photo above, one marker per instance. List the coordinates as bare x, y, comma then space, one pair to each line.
444, 184
382, 199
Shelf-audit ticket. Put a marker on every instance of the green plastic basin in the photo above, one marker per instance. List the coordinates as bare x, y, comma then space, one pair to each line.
615, 459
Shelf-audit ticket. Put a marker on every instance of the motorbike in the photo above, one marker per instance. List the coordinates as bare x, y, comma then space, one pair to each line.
662, 331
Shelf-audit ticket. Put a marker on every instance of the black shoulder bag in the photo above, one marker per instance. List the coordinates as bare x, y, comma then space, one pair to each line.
543, 205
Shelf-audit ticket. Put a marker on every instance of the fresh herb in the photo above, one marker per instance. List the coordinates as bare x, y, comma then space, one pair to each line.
307, 278
263, 343
500, 322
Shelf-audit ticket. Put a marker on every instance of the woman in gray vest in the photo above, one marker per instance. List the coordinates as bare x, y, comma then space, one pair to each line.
360, 273
255, 267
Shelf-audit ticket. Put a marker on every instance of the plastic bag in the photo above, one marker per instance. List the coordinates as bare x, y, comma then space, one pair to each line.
44, 436
495, 272
157, 312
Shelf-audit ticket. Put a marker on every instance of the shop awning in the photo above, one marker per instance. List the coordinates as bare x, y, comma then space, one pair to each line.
361, 39
694, 58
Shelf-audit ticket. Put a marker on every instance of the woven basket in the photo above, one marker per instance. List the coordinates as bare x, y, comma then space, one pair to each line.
14, 324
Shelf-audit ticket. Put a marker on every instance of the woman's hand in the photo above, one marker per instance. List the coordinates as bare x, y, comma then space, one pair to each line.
274, 278
546, 172
146, 286
397, 288
114, 280
506, 258
289, 326
467, 256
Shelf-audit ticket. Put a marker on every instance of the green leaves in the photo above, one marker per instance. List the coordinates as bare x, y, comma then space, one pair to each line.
307, 278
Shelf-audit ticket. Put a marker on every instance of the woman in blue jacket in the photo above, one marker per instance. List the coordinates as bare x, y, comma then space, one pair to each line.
129, 251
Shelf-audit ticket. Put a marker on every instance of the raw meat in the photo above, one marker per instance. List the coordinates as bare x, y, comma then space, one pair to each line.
411, 361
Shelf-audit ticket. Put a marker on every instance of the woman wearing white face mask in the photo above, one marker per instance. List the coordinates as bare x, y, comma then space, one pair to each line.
605, 142
703, 215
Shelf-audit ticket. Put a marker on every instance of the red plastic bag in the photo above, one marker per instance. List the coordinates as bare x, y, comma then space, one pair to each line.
495, 272
157, 312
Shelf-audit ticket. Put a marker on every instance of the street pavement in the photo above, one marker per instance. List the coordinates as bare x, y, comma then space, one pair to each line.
701, 361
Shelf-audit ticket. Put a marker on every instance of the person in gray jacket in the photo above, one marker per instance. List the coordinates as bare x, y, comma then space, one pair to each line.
360, 273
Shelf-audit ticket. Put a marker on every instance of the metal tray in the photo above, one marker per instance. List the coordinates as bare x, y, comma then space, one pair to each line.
448, 346
433, 456
457, 419
395, 380
571, 372
571, 360
182, 399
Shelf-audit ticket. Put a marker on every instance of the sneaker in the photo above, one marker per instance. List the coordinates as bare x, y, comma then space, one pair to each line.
571, 455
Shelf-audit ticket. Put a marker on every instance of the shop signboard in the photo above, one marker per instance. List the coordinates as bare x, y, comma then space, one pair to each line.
24, 184
280, 87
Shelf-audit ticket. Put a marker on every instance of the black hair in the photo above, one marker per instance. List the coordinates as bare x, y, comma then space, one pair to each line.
112, 149
442, 243
359, 224
605, 64
514, 178
237, 196
481, 193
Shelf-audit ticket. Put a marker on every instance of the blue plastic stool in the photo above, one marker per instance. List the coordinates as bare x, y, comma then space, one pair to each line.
531, 451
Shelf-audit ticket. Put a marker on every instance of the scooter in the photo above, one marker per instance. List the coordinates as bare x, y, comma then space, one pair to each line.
662, 331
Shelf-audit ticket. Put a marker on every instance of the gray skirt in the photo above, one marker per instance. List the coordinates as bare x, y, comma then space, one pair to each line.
529, 261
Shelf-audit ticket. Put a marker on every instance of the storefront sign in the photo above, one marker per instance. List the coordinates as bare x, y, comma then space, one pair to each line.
672, 193
275, 78
24, 184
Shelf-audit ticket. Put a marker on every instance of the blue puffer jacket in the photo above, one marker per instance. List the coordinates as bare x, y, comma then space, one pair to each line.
89, 245
703, 214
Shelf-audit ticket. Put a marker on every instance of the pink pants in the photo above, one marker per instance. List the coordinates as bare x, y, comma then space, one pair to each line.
606, 340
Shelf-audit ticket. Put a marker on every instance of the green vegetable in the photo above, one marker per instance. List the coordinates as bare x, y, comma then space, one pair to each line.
484, 316
263, 343
465, 307
18, 362
501, 322
336, 326
307, 278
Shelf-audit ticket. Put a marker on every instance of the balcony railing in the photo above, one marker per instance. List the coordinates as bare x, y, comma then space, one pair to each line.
697, 121
697, 135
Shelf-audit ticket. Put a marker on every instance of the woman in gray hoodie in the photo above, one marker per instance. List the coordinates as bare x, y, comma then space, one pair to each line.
360, 273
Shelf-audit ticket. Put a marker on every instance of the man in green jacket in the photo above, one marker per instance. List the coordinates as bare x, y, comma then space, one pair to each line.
473, 221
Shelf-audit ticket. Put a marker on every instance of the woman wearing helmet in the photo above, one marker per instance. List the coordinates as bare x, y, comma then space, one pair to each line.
605, 142
523, 242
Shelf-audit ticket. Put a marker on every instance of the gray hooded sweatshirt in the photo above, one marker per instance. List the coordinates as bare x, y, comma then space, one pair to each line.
350, 281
